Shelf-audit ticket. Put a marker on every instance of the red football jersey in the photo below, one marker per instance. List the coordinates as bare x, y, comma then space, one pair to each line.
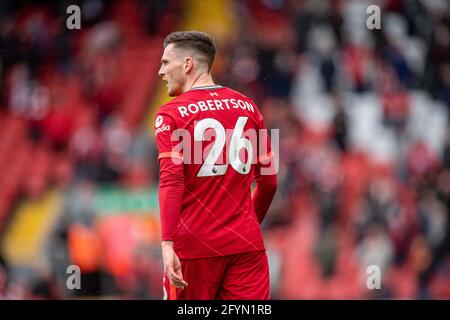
220, 148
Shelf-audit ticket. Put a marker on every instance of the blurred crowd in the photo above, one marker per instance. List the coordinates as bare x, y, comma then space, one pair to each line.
76, 103
363, 119
364, 140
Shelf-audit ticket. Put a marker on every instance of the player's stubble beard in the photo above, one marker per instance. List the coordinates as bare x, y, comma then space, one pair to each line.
175, 86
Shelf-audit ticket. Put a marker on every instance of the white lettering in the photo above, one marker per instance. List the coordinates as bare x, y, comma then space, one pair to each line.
249, 106
183, 111
215, 105
374, 279
190, 108
202, 105
74, 280
210, 104
163, 128
226, 102
374, 20
205, 311
74, 20
218, 104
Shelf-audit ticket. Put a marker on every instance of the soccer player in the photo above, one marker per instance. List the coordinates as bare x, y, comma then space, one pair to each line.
212, 243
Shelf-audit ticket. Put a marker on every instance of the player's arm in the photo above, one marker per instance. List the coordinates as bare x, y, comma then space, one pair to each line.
170, 195
265, 176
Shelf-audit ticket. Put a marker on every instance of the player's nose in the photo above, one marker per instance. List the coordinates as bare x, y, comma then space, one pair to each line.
161, 72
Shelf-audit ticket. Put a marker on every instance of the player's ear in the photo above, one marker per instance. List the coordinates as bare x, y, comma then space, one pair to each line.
188, 64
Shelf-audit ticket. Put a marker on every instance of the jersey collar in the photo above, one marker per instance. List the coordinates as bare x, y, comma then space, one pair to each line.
216, 86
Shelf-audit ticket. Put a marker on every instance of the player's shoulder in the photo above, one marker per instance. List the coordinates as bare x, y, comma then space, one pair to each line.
165, 115
239, 94
169, 108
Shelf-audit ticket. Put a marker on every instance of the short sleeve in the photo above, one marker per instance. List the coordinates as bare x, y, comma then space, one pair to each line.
164, 127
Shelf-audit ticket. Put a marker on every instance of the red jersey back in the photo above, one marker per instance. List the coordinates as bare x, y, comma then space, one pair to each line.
219, 148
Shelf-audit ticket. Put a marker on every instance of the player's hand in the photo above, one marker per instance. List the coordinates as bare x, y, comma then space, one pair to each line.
172, 265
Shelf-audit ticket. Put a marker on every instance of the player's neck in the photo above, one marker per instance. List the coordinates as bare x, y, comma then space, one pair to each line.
202, 80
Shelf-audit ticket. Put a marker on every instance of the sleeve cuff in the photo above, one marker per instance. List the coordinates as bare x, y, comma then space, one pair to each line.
169, 154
